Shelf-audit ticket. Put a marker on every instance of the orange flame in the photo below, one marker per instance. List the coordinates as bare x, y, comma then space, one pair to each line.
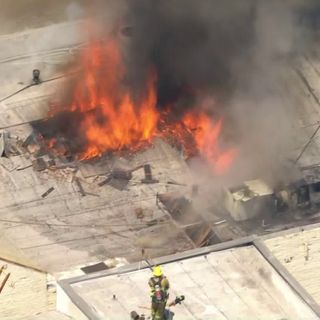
206, 134
113, 120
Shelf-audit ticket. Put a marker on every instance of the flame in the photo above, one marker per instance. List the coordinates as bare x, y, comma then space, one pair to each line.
206, 134
113, 121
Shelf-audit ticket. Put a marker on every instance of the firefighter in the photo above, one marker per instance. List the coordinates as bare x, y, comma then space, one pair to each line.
159, 286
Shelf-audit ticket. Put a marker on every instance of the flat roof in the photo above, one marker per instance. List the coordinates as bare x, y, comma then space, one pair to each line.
65, 229
299, 253
234, 283
43, 230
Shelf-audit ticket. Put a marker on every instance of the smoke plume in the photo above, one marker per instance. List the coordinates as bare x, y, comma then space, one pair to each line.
193, 46
228, 58
238, 53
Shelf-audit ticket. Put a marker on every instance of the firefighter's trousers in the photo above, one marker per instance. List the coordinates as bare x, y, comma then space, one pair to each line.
157, 310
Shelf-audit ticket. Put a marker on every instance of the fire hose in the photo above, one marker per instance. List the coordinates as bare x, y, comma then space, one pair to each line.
173, 303
177, 300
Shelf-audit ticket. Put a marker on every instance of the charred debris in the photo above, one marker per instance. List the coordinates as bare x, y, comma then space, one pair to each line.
242, 210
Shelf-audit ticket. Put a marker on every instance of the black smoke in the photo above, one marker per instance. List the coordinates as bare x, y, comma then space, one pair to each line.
230, 50
193, 45
208, 46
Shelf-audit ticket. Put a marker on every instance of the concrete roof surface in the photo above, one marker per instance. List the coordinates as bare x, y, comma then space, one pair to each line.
299, 253
236, 283
120, 232
35, 238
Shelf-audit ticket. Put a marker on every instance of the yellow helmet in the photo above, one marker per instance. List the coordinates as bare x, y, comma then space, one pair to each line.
157, 271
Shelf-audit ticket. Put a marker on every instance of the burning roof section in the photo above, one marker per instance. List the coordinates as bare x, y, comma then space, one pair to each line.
103, 115
66, 194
